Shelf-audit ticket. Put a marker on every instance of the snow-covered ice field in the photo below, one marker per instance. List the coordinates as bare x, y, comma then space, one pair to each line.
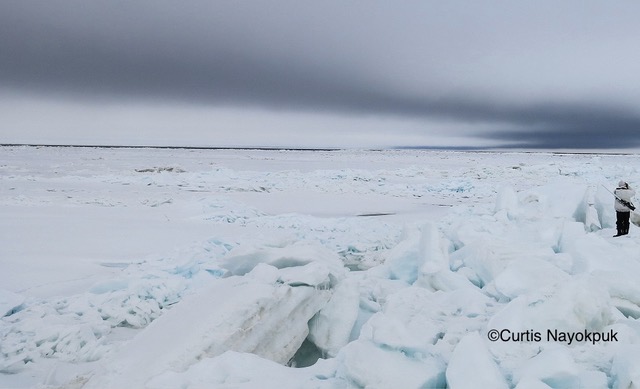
168, 268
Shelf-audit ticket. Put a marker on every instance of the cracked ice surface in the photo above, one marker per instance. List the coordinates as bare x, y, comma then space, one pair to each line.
216, 268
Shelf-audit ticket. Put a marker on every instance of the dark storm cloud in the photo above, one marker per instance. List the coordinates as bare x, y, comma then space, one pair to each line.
574, 127
540, 71
211, 52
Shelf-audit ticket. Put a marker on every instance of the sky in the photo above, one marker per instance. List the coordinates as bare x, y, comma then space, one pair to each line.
296, 73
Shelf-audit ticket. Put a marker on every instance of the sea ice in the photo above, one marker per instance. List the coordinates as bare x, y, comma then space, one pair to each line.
120, 269
243, 314
472, 366
9, 302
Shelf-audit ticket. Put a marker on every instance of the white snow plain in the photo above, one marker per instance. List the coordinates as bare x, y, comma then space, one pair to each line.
170, 268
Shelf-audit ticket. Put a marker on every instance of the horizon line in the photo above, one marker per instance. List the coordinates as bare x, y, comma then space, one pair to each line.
276, 148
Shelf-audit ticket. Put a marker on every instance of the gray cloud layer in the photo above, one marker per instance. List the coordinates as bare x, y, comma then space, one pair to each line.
548, 74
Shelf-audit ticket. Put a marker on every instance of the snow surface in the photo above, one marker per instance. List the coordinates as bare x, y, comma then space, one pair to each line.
163, 268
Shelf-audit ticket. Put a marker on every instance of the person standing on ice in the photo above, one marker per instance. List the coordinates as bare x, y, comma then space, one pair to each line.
623, 207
